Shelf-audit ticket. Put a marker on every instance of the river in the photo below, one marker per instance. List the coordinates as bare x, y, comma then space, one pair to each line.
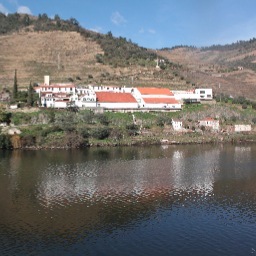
157, 200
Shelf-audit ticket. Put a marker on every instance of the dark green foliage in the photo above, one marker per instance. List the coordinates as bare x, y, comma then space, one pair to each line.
28, 140
49, 130
202, 128
162, 120
15, 86
5, 141
5, 117
87, 117
132, 129
244, 106
51, 115
233, 119
239, 100
103, 119
30, 98
11, 22
66, 120
101, 133
84, 132
254, 120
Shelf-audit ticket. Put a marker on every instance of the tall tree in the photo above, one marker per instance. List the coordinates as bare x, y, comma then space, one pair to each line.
15, 86
30, 99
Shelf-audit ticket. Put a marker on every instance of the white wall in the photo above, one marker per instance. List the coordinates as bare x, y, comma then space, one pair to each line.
117, 105
204, 94
243, 128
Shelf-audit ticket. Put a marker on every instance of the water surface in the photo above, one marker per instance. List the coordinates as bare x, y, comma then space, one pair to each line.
159, 200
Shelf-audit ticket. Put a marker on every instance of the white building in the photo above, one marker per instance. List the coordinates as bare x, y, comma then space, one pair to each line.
211, 123
84, 98
243, 128
187, 96
116, 101
176, 125
156, 98
204, 94
54, 100
105, 88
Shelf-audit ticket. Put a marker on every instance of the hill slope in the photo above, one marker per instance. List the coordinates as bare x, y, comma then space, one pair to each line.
38, 46
230, 71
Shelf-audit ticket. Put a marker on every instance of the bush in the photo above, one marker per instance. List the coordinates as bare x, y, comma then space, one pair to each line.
101, 133
161, 120
233, 119
5, 141
132, 129
103, 119
28, 140
52, 129
244, 106
85, 133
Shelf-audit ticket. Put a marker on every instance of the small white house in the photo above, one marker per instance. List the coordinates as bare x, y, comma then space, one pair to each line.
176, 125
211, 123
243, 128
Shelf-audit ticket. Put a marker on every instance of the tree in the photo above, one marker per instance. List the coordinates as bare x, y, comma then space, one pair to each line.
30, 98
5, 117
15, 86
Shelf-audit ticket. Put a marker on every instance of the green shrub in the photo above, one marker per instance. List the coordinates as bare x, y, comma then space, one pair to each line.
5, 141
101, 133
132, 129
52, 129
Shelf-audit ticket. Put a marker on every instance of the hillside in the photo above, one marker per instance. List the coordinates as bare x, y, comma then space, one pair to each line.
38, 46
228, 70
67, 52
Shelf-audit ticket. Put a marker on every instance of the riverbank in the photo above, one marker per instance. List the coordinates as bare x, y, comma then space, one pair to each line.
62, 129
174, 139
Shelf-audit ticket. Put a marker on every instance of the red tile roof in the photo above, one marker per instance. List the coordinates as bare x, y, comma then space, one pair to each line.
113, 97
208, 119
154, 91
160, 100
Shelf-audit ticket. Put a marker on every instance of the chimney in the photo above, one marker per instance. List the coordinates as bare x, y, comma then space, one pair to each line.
47, 80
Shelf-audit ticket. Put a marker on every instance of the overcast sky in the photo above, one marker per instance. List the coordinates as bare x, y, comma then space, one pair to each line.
153, 23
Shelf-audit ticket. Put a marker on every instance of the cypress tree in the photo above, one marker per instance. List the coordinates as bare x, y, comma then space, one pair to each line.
30, 99
15, 86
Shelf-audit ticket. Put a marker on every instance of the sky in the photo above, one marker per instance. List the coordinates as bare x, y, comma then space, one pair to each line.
153, 23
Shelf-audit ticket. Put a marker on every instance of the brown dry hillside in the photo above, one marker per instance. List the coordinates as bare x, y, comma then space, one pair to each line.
35, 54
230, 72
64, 55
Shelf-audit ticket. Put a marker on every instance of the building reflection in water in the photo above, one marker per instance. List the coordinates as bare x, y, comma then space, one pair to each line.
93, 180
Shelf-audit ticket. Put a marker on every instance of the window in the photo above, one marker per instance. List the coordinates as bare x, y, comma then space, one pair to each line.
202, 92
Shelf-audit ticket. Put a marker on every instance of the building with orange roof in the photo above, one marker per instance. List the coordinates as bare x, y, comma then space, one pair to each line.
157, 99
118, 101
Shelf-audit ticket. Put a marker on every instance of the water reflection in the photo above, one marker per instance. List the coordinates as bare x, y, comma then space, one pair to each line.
57, 196
91, 180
